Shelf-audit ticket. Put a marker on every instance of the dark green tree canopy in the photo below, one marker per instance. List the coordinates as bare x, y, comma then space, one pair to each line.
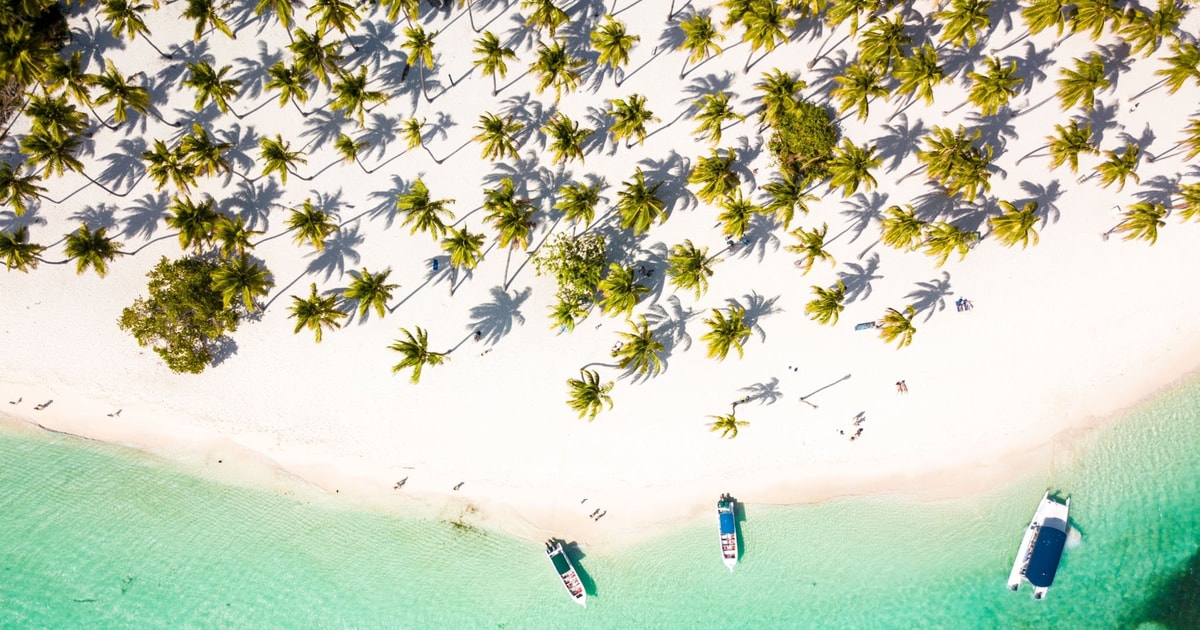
184, 318
804, 137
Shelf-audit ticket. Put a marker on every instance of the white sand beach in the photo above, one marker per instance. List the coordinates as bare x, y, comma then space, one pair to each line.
1062, 336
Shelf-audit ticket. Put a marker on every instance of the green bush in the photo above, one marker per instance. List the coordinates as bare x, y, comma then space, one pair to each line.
804, 137
184, 319
577, 263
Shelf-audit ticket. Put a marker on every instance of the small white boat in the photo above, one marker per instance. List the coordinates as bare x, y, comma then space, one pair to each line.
727, 520
1041, 547
566, 572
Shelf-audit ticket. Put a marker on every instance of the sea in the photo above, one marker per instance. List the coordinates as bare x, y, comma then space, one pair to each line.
99, 536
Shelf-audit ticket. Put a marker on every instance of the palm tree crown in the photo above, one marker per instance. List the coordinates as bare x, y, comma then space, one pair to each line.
689, 267
370, 290
316, 312
726, 332
588, 395
417, 355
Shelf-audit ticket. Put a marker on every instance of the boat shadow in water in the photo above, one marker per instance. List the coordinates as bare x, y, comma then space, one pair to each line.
739, 517
575, 554
1175, 604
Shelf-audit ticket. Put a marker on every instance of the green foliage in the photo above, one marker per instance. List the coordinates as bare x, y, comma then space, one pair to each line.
577, 264
827, 304
184, 318
690, 267
804, 136
416, 353
726, 332
588, 395
727, 425
620, 291
715, 175
898, 327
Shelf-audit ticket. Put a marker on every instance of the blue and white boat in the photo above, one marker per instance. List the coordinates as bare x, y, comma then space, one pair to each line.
1041, 547
727, 519
566, 571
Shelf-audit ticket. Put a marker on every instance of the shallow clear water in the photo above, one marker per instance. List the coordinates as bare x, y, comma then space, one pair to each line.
92, 535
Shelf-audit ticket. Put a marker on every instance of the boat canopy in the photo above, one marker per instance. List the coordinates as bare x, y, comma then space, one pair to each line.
727, 526
1047, 551
560, 562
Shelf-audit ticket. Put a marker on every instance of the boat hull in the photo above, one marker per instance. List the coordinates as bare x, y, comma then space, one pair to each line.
727, 528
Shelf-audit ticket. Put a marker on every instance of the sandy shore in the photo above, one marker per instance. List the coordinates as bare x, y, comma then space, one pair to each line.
1062, 336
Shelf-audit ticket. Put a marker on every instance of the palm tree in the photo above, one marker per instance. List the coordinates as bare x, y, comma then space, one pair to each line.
419, 46
639, 350
1144, 30
1182, 66
1040, 15
316, 312
16, 250
1120, 166
715, 175
556, 67
857, 87
902, 229
1141, 221
205, 14
351, 150
778, 92
992, 90
851, 167
465, 249
283, 10
412, 130
125, 17
17, 190
898, 327
1079, 85
638, 204
310, 54
963, 21
737, 211
423, 213
545, 14
121, 93
411, 9
588, 396
91, 249
712, 110
335, 14
619, 291
498, 136
240, 278
883, 44
919, 73
689, 267
370, 290
278, 157
726, 332
203, 152
727, 425
784, 197
65, 72
195, 221
943, 239
811, 246
352, 95
735, 11
1189, 194
1070, 141
211, 84
233, 236
629, 118
956, 163
766, 26
52, 150
610, 40
827, 304
492, 57
292, 82
566, 138
55, 114
577, 201
842, 10
509, 215
415, 349
311, 224
701, 39
1016, 226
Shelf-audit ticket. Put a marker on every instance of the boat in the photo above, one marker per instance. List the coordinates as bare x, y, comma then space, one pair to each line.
1041, 547
566, 571
727, 519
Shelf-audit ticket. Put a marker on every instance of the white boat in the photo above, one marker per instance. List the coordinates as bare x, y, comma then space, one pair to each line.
727, 520
566, 572
1041, 547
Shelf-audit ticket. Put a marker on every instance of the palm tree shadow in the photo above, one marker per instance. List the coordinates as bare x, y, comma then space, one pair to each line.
1045, 195
387, 204
244, 140
758, 239
1032, 67
756, 307
858, 278
1001, 12
142, 217
670, 324
322, 127
380, 132
253, 74
375, 47
669, 39
100, 215
899, 141
649, 260
763, 393
863, 208
993, 130
673, 172
834, 65
1116, 62
254, 201
432, 274
1142, 141
125, 167
94, 41
933, 205
1103, 118
340, 247
931, 296
495, 319
1159, 189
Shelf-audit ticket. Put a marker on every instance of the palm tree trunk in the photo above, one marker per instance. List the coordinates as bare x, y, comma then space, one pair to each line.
1156, 85
156, 48
15, 115
106, 188
1018, 40
821, 52
299, 109
1030, 154
421, 70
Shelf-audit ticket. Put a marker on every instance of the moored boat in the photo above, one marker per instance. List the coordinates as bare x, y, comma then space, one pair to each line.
727, 520
1041, 547
566, 571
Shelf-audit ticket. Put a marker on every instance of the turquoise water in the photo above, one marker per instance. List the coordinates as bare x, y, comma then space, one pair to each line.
95, 536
